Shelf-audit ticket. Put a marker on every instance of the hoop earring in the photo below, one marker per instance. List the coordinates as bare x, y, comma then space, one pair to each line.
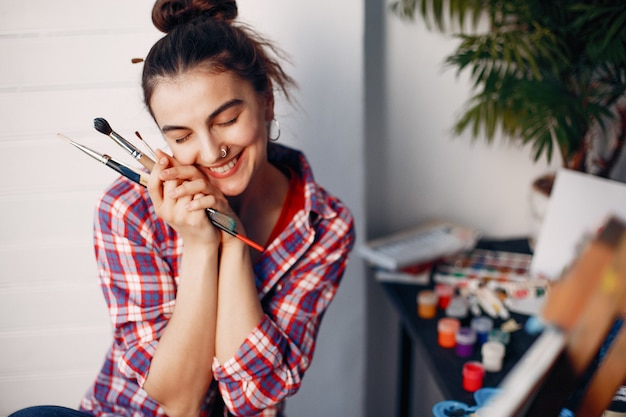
273, 139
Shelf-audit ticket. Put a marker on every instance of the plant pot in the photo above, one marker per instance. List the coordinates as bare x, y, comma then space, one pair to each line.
540, 191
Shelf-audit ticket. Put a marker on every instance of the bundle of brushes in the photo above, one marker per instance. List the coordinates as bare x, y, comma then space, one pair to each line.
219, 220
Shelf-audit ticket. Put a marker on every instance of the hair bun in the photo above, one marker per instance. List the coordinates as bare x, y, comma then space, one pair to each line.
167, 14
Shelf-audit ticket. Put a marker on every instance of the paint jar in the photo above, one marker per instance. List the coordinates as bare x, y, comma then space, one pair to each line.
444, 295
493, 353
426, 304
473, 375
498, 335
446, 331
465, 340
458, 309
482, 326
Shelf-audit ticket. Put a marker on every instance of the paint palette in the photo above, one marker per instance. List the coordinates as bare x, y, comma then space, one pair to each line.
483, 266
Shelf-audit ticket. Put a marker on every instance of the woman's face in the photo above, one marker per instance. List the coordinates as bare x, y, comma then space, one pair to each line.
200, 113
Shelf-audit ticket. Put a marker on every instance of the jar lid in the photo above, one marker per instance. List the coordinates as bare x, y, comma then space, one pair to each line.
493, 349
448, 324
427, 297
482, 324
444, 289
465, 336
473, 369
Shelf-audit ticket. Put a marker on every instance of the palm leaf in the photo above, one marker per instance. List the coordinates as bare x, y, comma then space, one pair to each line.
543, 71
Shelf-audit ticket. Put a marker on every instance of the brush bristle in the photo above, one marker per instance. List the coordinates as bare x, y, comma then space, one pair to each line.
102, 126
223, 220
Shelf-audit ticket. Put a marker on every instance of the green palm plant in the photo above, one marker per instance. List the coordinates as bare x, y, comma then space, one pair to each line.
549, 73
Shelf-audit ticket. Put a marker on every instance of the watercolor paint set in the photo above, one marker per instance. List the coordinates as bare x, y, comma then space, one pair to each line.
484, 266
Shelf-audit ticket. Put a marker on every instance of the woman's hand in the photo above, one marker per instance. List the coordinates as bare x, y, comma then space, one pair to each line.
181, 194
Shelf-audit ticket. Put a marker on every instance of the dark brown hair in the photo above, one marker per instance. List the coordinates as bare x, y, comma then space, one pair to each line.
202, 34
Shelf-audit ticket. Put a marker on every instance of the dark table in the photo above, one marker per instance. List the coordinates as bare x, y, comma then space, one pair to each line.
445, 365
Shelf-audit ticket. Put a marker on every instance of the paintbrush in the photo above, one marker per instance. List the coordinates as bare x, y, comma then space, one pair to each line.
104, 127
228, 224
152, 153
121, 168
219, 220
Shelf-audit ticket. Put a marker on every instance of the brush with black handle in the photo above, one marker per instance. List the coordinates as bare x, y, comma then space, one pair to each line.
104, 127
121, 168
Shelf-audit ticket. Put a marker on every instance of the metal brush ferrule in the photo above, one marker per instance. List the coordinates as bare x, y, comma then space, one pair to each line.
129, 147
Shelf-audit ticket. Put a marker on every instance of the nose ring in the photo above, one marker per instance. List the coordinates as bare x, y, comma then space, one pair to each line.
224, 151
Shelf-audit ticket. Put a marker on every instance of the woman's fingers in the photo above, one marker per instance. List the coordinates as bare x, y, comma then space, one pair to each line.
155, 183
181, 172
202, 202
191, 188
181, 193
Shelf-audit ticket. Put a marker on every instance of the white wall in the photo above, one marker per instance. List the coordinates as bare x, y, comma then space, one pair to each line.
68, 61
429, 172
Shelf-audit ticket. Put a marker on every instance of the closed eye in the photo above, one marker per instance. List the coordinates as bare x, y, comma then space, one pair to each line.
181, 140
229, 122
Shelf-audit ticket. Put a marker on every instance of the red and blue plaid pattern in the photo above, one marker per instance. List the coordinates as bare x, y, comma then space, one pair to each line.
297, 277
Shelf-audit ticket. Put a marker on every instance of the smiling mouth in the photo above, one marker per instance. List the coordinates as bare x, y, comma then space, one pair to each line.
226, 167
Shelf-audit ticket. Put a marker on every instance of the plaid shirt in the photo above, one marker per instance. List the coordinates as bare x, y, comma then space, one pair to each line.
296, 277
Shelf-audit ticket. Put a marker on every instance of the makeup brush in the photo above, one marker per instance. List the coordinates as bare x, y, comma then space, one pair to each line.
121, 168
104, 127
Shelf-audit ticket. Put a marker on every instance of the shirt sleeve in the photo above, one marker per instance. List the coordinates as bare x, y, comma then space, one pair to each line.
137, 281
271, 362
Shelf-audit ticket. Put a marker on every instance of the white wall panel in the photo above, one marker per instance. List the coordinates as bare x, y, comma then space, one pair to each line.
45, 216
68, 360
64, 388
51, 164
41, 15
57, 260
63, 64
40, 115
36, 308
72, 59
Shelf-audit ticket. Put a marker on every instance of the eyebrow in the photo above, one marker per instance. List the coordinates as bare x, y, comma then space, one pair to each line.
230, 103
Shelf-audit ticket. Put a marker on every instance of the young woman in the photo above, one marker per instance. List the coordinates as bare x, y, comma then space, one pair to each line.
205, 325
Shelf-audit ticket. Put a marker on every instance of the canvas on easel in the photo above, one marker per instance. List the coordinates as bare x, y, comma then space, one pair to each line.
576, 246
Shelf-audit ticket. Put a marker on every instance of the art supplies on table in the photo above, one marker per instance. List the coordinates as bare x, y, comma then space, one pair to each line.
495, 282
425, 243
483, 265
578, 315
